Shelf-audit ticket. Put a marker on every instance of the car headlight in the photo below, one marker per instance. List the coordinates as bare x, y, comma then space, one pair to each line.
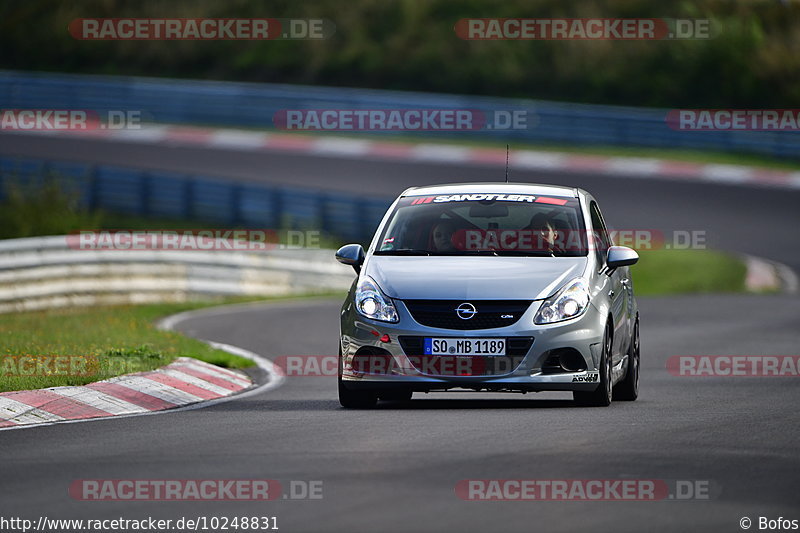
571, 301
371, 302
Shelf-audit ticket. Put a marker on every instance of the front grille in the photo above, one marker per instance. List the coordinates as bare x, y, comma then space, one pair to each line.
490, 313
463, 365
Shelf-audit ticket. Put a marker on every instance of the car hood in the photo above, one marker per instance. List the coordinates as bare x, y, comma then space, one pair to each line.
472, 278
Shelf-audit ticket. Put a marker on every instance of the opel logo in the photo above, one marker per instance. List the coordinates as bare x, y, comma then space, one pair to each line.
466, 311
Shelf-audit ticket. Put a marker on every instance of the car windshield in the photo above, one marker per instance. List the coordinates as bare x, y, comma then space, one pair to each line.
485, 224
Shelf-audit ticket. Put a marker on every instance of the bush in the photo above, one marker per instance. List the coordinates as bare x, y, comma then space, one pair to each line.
49, 208
411, 45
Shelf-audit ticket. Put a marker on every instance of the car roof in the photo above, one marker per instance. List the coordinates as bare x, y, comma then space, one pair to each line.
498, 187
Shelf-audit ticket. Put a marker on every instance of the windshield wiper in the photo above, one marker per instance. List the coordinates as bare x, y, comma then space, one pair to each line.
477, 252
419, 251
404, 251
528, 253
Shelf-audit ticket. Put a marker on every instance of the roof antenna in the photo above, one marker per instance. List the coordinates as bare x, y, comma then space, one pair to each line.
506, 163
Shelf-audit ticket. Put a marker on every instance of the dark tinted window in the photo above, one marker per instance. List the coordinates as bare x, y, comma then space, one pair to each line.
497, 224
599, 235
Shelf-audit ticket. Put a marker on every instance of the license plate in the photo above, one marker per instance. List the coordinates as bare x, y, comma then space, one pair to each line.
446, 346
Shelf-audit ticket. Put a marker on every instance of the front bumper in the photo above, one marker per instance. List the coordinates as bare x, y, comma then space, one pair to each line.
528, 371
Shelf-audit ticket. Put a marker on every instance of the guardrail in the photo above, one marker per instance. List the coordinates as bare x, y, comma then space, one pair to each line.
202, 198
255, 104
45, 272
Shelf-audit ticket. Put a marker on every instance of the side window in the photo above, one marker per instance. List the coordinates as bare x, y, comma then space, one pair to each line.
599, 237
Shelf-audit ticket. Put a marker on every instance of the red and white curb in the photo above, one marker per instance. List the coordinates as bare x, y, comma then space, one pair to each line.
332, 146
183, 382
764, 275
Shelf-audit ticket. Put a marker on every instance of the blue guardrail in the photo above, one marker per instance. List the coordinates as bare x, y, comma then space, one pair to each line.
156, 194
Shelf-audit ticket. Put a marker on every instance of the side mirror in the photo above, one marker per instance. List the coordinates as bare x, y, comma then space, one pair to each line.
620, 256
351, 254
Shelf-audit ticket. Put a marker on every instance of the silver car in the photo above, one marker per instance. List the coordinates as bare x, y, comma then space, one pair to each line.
490, 287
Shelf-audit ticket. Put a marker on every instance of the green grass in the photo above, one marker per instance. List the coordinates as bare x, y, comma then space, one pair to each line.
114, 340
661, 272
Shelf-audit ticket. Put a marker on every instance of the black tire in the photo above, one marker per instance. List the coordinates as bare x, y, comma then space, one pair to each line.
628, 389
398, 395
352, 399
600, 397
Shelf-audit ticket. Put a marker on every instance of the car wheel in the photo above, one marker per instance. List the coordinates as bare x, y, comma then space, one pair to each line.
628, 388
600, 397
399, 395
351, 399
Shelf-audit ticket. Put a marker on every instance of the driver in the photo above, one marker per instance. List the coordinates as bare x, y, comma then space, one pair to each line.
443, 236
545, 232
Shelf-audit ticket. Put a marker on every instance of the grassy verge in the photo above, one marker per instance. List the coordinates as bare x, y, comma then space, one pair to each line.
661, 272
104, 342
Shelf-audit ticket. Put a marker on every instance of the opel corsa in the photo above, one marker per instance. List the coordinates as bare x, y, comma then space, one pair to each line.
490, 287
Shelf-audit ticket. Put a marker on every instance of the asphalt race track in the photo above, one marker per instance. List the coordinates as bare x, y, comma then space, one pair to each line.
395, 468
